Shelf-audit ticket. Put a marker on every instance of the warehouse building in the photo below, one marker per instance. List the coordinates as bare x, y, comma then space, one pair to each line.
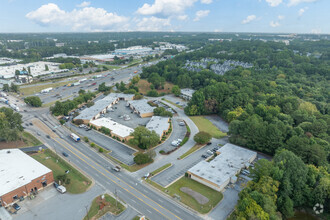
21, 176
141, 107
101, 106
222, 170
159, 124
187, 93
117, 130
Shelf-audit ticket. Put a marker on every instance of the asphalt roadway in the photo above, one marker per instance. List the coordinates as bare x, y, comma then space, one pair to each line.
145, 200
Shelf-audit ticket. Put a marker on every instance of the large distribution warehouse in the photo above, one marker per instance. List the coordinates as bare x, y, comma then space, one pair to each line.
21, 175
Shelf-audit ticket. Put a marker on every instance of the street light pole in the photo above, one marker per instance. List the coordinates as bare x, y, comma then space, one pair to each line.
87, 212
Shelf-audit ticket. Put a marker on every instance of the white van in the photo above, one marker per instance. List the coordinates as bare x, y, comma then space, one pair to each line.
61, 189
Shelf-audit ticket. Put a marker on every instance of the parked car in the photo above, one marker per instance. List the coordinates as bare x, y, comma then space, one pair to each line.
16, 206
204, 156
48, 136
181, 123
65, 154
30, 123
209, 143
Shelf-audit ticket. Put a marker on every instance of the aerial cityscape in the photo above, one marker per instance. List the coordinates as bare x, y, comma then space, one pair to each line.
165, 109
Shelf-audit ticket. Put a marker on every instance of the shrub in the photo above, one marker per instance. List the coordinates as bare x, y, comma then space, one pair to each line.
152, 93
202, 137
101, 150
141, 158
92, 144
62, 121
86, 139
162, 152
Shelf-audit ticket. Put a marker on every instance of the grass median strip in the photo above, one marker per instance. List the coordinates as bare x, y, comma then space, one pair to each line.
191, 150
100, 206
153, 173
205, 125
173, 103
78, 182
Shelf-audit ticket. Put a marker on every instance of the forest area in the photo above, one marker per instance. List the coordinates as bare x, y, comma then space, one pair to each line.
280, 107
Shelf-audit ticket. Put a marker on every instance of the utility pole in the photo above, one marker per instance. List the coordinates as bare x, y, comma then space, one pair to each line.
87, 212
116, 197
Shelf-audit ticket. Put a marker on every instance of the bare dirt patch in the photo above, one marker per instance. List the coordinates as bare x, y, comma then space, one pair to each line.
199, 197
11, 144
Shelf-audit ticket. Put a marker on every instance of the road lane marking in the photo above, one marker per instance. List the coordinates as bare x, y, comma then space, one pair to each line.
115, 177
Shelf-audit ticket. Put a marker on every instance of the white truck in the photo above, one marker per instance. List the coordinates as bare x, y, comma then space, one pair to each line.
3, 94
76, 83
46, 90
14, 107
75, 137
61, 189
83, 80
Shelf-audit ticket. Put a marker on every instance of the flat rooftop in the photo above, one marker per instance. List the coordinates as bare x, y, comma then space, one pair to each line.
115, 127
141, 106
158, 124
100, 105
187, 92
227, 164
18, 169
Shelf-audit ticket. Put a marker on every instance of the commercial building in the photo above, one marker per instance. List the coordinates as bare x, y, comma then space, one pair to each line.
101, 106
135, 50
187, 93
222, 170
159, 124
21, 176
141, 107
117, 130
36, 69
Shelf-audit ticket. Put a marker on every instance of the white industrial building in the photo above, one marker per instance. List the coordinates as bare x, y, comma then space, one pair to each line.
187, 93
118, 130
101, 106
159, 124
222, 170
37, 68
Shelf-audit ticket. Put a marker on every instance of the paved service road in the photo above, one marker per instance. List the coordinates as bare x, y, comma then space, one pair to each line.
145, 200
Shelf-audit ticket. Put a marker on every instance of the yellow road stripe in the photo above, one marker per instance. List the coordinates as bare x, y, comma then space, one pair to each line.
117, 178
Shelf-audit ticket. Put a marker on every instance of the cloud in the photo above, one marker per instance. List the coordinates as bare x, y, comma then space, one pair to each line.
206, 1
248, 19
302, 11
280, 17
152, 24
274, 24
84, 4
85, 19
274, 3
200, 14
297, 2
165, 8
182, 17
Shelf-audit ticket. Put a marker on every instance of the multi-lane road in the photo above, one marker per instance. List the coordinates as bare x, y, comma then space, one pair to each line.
134, 192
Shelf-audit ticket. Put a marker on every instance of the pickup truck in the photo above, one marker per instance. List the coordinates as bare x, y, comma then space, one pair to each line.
116, 168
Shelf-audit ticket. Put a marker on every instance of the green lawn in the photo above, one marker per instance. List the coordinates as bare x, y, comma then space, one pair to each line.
30, 140
96, 210
191, 150
110, 67
78, 184
205, 125
160, 169
172, 103
37, 88
214, 196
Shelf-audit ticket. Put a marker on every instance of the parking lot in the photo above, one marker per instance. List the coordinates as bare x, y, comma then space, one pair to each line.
179, 168
178, 132
67, 206
120, 109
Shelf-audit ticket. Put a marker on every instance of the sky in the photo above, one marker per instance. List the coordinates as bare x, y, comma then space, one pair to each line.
266, 16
